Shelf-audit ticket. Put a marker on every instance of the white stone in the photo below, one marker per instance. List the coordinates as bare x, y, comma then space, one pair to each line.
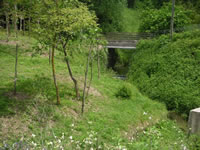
194, 121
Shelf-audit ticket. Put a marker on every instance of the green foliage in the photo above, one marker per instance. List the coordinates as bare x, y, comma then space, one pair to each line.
143, 4
124, 92
169, 71
131, 20
158, 20
109, 13
64, 20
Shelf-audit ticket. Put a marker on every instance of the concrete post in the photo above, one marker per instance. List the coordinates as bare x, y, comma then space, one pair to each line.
194, 121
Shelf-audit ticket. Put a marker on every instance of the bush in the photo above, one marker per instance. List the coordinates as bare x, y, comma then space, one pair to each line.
169, 71
158, 20
124, 92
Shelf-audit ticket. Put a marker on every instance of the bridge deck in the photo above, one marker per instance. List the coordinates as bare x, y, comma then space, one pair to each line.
122, 47
124, 40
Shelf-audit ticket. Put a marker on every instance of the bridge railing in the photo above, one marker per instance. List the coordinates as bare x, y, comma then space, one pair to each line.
122, 39
122, 36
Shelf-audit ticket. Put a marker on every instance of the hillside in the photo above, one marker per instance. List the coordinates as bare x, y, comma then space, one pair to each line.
32, 118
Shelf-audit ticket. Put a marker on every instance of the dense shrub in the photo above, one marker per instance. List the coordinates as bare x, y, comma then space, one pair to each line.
169, 71
124, 92
109, 13
158, 20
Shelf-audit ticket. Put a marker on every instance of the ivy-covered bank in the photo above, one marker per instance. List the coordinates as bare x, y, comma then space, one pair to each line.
169, 71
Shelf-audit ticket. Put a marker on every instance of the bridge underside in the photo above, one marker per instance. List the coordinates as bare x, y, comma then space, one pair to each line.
122, 44
121, 47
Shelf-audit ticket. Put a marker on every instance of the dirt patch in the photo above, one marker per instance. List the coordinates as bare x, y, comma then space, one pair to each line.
18, 96
8, 43
13, 43
64, 78
94, 92
13, 126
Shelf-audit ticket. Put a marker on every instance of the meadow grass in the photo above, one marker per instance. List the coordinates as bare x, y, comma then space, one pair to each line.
32, 118
131, 20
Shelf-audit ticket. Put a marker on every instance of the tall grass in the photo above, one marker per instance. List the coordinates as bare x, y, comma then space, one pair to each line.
131, 20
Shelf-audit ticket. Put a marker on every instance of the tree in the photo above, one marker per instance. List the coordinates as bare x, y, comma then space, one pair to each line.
7, 11
158, 20
61, 22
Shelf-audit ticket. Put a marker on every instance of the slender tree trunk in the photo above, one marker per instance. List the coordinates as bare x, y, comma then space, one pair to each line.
29, 25
49, 55
98, 62
16, 19
91, 77
70, 73
24, 26
85, 82
172, 19
54, 76
7, 26
16, 60
20, 18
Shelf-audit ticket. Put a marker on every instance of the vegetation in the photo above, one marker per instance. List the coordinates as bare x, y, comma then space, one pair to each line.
158, 20
169, 71
96, 110
31, 118
124, 92
131, 21
40, 123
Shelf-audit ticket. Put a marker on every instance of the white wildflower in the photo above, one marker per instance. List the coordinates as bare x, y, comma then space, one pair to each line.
33, 135
34, 144
144, 113
59, 141
61, 148
50, 143
150, 118
90, 135
89, 122
72, 125
70, 137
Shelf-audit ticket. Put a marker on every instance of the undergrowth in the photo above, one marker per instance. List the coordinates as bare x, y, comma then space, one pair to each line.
168, 71
31, 119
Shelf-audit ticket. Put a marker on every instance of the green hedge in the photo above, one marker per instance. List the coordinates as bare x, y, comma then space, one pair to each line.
169, 71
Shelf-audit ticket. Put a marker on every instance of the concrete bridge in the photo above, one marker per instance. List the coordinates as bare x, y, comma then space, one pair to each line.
125, 40
122, 41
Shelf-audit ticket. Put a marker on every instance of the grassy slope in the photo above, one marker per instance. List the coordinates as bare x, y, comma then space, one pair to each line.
33, 111
131, 20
